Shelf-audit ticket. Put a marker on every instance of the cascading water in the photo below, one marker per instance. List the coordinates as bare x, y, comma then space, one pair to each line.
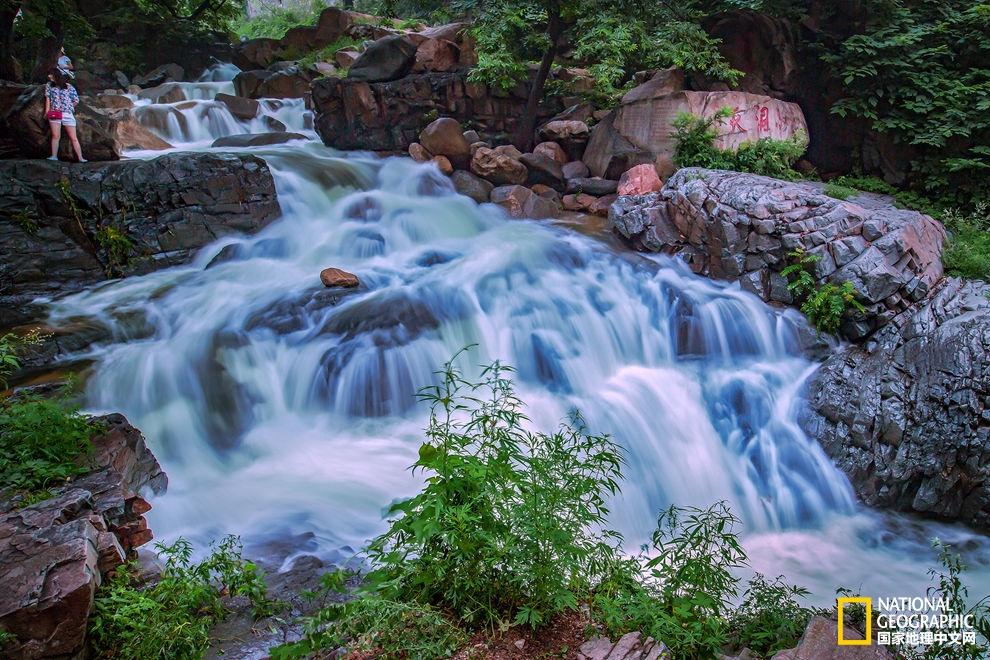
279, 408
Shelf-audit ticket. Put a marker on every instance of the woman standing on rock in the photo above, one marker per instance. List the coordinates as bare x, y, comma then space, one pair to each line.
61, 99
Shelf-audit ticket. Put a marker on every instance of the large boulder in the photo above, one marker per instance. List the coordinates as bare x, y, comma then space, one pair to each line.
256, 139
639, 130
735, 226
639, 180
498, 167
165, 93
239, 106
165, 73
436, 55
819, 643
387, 59
26, 123
521, 202
444, 137
255, 54
54, 554
472, 186
904, 416
543, 170
132, 135
288, 82
167, 208
247, 83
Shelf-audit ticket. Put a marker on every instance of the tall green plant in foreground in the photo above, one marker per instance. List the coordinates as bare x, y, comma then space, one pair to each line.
172, 618
967, 250
504, 527
825, 305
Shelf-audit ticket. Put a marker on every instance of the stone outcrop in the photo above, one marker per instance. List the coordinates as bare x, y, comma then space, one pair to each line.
522, 202
387, 59
631, 646
907, 415
54, 554
735, 226
54, 218
819, 643
25, 123
261, 53
639, 130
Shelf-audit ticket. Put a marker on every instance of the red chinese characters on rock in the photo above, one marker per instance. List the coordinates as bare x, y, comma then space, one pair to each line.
735, 122
763, 119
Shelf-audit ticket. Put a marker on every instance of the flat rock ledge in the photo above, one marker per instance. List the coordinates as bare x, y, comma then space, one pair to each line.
741, 227
907, 415
54, 554
67, 226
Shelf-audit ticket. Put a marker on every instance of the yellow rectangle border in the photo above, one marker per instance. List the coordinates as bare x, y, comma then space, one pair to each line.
863, 600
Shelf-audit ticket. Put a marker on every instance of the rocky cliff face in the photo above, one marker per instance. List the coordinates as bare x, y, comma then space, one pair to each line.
54, 554
736, 226
63, 227
907, 415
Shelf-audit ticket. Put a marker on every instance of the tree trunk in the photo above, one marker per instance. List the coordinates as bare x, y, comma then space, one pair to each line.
48, 48
524, 132
9, 68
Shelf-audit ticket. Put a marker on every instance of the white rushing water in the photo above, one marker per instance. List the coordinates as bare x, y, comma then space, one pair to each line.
279, 409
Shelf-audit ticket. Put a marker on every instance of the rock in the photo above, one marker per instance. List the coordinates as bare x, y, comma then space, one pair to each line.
389, 116
819, 643
565, 129
443, 164
436, 55
240, 107
289, 83
639, 130
325, 68
509, 150
187, 201
543, 170
114, 101
247, 83
133, 136
592, 186
521, 202
256, 139
164, 93
387, 59
579, 202
497, 167
444, 137
735, 226
602, 205
54, 554
345, 57
335, 277
163, 74
551, 150
121, 79
574, 170
478, 145
419, 153
663, 82
473, 186
255, 54
901, 414
472, 137
639, 180
631, 646
26, 123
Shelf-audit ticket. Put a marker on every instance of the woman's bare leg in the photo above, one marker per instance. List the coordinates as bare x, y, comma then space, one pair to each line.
56, 127
74, 139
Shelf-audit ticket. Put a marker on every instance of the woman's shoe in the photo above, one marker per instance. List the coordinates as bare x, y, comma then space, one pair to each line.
53, 158
83, 160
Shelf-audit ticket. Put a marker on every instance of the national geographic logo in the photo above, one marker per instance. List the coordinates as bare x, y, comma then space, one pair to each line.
905, 621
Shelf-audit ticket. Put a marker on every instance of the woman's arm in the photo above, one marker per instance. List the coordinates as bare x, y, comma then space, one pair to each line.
48, 102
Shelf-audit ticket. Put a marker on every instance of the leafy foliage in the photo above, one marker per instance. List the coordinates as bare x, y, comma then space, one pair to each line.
502, 529
274, 22
694, 139
770, 618
967, 250
824, 305
919, 72
839, 191
117, 245
172, 618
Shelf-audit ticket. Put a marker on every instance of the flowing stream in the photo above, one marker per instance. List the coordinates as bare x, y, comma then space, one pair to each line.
281, 410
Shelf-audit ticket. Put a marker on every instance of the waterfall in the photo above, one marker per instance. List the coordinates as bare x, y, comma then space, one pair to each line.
280, 408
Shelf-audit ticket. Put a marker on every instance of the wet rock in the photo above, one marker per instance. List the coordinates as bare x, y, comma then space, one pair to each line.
735, 226
239, 106
444, 137
497, 167
592, 186
247, 83
114, 101
419, 153
521, 202
133, 135
26, 124
54, 554
579, 202
473, 186
640, 180
257, 139
164, 93
289, 83
601, 206
387, 59
185, 200
443, 164
904, 416
337, 278
163, 74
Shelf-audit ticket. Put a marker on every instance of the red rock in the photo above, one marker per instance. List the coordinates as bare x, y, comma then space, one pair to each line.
419, 153
335, 277
509, 150
443, 164
562, 129
551, 150
579, 202
521, 202
436, 55
444, 137
345, 57
639, 180
497, 167
601, 205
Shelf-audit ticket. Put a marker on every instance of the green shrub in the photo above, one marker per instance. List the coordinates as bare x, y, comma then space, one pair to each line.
825, 305
769, 618
839, 191
694, 139
905, 199
967, 248
275, 22
172, 618
326, 54
503, 528
117, 246
392, 629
